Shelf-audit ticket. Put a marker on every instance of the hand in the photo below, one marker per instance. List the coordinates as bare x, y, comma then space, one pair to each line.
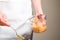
39, 24
41, 17
3, 21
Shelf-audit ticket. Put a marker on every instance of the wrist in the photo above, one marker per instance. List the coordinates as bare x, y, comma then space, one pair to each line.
38, 12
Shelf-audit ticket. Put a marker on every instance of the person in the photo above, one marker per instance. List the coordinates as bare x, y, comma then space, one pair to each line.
13, 13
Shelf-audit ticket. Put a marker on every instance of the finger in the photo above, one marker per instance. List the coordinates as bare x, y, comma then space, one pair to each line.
4, 22
2, 15
39, 16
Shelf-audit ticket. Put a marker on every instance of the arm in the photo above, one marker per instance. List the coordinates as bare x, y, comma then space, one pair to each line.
37, 6
39, 24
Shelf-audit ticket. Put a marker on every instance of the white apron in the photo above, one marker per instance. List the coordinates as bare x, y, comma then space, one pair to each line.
17, 11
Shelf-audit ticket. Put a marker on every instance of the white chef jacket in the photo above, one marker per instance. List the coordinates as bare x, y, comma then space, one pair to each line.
17, 11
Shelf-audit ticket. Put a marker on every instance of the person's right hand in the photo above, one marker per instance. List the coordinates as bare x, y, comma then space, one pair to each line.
3, 21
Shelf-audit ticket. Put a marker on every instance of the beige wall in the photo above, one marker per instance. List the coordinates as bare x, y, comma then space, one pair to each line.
52, 9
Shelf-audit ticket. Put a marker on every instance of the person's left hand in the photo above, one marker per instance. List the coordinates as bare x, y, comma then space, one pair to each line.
39, 24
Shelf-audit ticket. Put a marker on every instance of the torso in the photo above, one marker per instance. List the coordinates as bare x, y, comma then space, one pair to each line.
17, 11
